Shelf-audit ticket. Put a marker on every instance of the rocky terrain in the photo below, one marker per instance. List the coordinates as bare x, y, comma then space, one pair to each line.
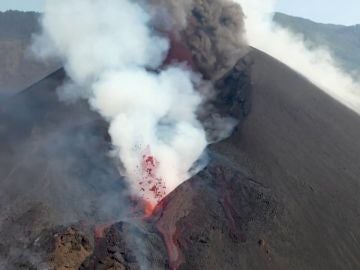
280, 193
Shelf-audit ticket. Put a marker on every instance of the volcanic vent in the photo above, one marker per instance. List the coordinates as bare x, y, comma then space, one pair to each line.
276, 194
160, 109
162, 106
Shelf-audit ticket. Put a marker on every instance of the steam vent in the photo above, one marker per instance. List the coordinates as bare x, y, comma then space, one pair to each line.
182, 148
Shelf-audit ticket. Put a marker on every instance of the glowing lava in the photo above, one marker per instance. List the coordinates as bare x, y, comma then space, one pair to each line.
100, 233
148, 209
169, 236
152, 188
178, 52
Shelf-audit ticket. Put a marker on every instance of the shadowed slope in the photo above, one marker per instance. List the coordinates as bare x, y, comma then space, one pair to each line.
280, 193
304, 145
19, 67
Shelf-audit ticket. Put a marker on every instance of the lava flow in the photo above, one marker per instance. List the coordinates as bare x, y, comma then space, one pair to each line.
225, 200
150, 186
168, 233
154, 186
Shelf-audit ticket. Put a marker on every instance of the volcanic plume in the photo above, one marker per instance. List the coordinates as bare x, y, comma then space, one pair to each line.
149, 94
314, 61
277, 194
109, 55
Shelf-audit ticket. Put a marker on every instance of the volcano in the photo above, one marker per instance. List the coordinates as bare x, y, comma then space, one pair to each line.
280, 193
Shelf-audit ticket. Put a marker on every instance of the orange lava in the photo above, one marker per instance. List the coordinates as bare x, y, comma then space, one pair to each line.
169, 236
100, 230
178, 52
151, 186
142, 208
148, 209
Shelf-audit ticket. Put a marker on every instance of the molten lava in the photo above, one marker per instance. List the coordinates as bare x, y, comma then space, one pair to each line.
178, 52
168, 234
148, 209
100, 230
152, 188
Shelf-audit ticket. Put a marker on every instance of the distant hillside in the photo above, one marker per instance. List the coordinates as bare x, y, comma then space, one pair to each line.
18, 25
343, 41
18, 70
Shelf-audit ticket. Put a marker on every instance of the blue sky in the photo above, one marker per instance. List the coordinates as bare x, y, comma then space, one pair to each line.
327, 11
21, 4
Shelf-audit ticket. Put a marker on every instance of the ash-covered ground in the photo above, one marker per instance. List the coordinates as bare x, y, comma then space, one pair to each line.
274, 196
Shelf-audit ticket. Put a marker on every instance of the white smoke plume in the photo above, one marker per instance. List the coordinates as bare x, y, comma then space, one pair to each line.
316, 64
114, 58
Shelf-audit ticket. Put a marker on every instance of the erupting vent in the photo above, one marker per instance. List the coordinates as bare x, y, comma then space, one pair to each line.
152, 187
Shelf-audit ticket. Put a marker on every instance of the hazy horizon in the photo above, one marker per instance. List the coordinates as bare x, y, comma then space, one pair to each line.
318, 10
345, 12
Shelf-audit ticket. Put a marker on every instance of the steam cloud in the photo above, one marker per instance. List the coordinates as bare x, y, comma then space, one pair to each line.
113, 57
316, 64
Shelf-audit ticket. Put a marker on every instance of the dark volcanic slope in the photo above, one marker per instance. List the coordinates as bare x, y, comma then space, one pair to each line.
19, 69
305, 147
54, 169
281, 193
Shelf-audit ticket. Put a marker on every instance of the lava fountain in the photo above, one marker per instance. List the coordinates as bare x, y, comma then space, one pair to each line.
152, 188
141, 81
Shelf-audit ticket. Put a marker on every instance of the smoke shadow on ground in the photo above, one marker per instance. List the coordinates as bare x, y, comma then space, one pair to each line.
55, 167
